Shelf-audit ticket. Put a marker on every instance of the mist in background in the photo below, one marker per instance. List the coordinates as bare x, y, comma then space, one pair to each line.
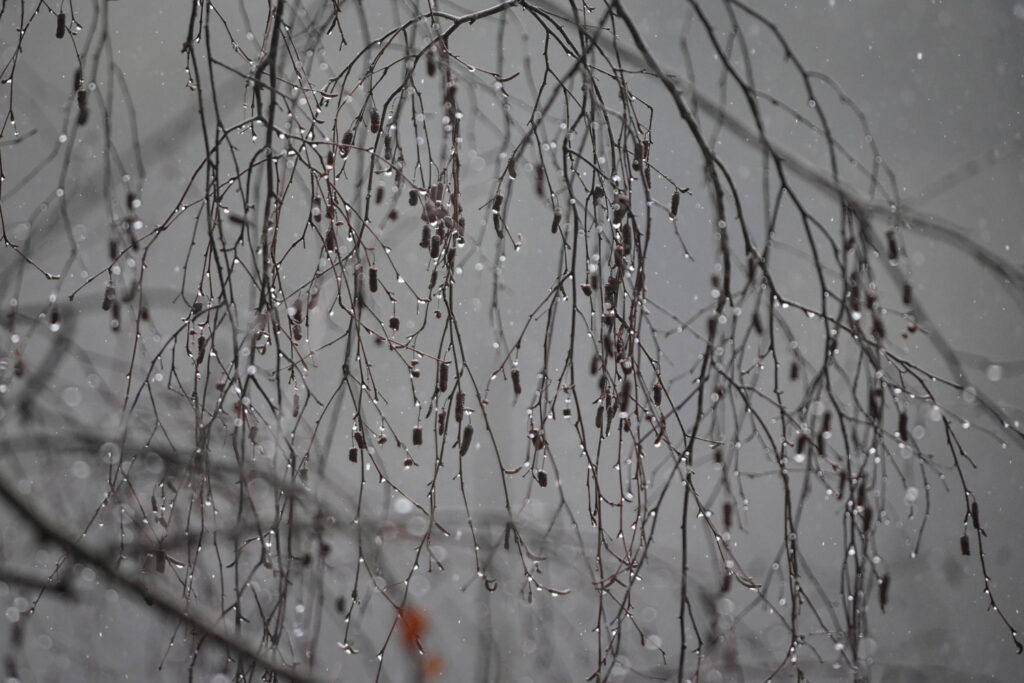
940, 85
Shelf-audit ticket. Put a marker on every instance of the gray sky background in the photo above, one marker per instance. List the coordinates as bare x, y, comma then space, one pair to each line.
942, 86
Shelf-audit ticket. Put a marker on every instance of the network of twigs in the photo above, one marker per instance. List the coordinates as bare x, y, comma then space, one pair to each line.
452, 310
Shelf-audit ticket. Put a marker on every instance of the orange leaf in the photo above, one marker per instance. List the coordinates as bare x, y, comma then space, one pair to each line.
413, 625
431, 666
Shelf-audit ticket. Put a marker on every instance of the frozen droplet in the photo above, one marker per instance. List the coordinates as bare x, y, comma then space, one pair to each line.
72, 396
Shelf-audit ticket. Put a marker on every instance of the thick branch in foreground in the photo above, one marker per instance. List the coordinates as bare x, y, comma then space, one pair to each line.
213, 626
